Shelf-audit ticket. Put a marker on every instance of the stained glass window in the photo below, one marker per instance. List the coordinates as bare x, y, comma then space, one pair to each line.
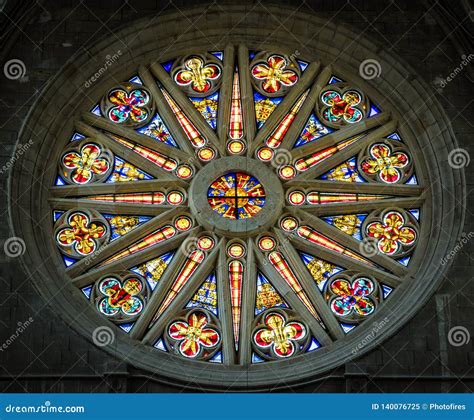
314, 240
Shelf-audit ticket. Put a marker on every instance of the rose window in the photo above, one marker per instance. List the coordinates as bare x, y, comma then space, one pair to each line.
235, 209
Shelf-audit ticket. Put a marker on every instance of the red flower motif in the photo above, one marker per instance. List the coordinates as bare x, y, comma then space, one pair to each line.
129, 106
391, 233
197, 74
81, 234
193, 335
386, 164
279, 335
274, 74
120, 297
85, 164
352, 297
342, 106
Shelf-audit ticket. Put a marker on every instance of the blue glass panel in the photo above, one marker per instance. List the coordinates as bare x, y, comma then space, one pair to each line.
320, 270
153, 270
69, 261
57, 214
218, 54
157, 130
217, 358
160, 345
87, 291
124, 171
206, 296
404, 261
416, 213
267, 297
394, 136
347, 327
346, 172
256, 358
127, 327
313, 346
167, 65
208, 108
334, 79
120, 225
373, 110
137, 80
347, 223
303, 64
313, 130
264, 106
412, 181
77, 136
96, 110
386, 290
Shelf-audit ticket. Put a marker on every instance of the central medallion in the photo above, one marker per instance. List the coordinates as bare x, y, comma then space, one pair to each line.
236, 196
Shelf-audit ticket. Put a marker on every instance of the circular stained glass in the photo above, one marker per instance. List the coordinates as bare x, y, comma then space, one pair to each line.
280, 229
236, 250
236, 195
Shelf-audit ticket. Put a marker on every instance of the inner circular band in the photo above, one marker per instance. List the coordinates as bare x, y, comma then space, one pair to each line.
236, 196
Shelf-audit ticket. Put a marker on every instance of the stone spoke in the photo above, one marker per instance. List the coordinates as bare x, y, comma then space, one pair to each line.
122, 243
225, 97
225, 309
340, 156
133, 259
246, 93
185, 104
154, 185
184, 295
112, 208
356, 187
102, 123
124, 152
308, 107
282, 109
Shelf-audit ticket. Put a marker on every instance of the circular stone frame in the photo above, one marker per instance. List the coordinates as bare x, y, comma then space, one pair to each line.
425, 126
206, 216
